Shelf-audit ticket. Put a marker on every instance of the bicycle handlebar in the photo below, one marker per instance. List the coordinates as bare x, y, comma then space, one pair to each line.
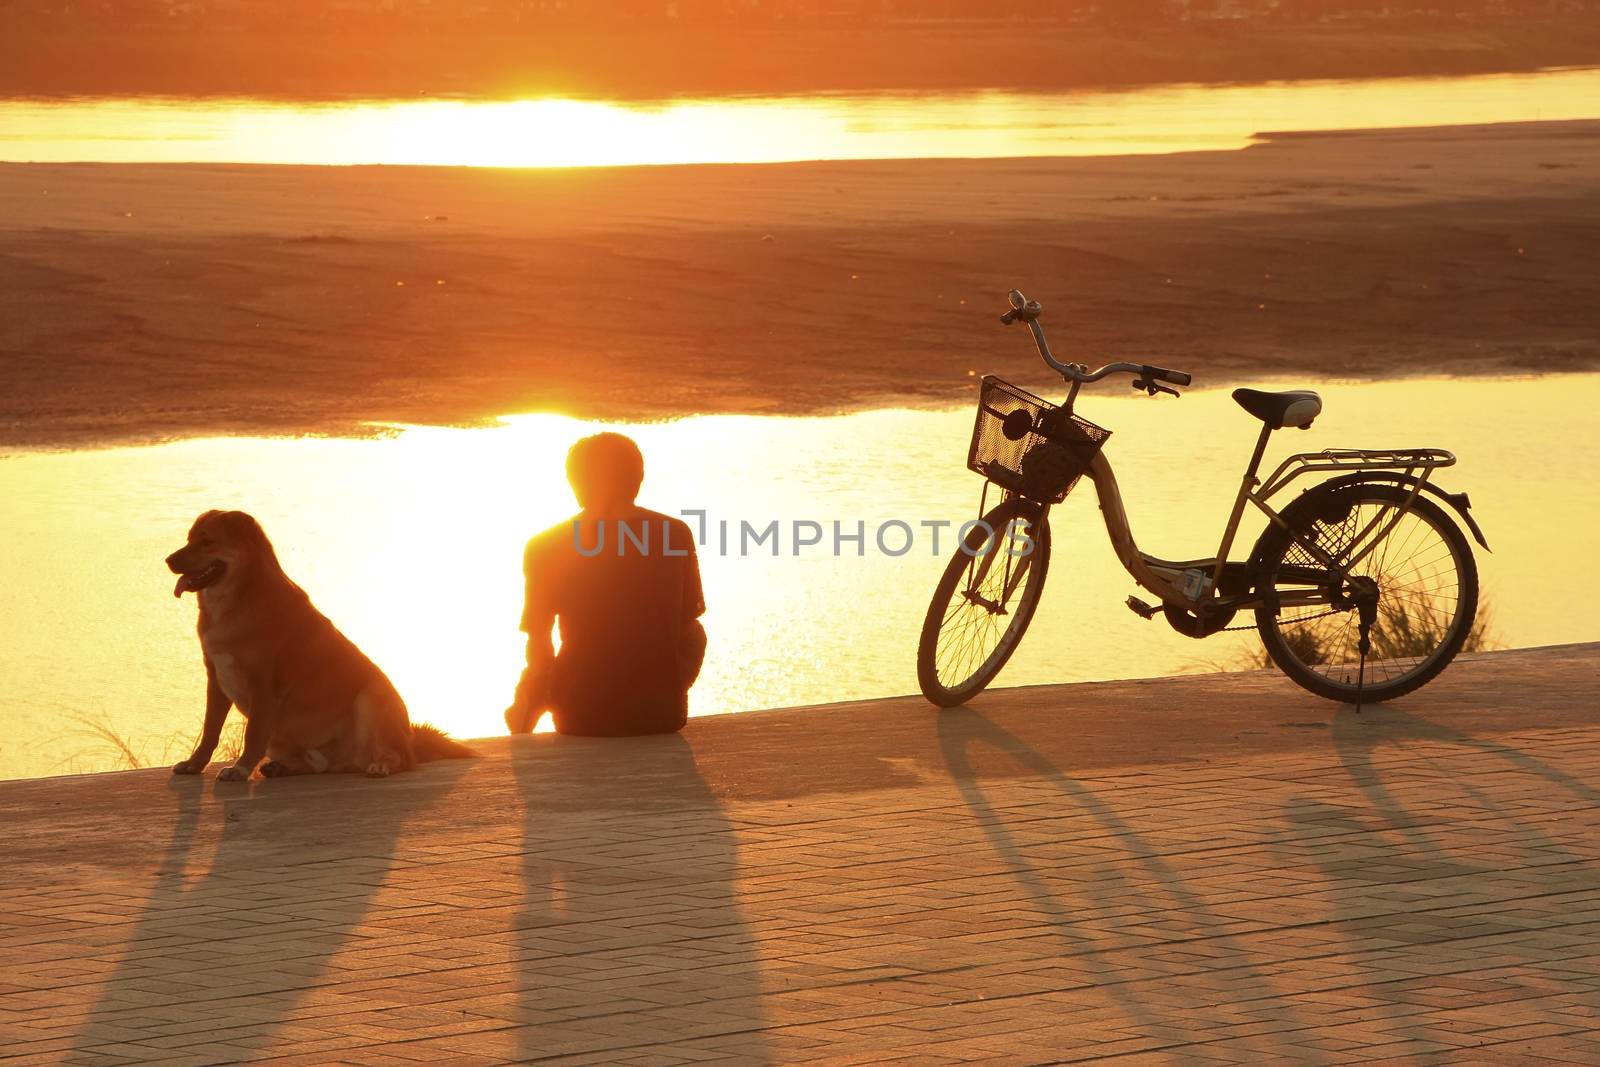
1147, 376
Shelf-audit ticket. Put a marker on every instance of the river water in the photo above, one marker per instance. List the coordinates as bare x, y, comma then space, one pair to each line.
411, 542
411, 539
564, 132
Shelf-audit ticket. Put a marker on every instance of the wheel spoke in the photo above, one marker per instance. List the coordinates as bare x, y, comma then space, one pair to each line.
986, 608
1421, 596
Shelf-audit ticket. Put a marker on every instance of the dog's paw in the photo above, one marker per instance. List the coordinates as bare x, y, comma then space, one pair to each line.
188, 766
275, 769
377, 770
234, 773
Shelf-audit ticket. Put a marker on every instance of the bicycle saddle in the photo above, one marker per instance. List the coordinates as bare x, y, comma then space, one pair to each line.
1296, 407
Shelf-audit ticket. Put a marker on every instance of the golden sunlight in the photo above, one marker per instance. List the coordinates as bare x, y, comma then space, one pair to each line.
412, 544
556, 132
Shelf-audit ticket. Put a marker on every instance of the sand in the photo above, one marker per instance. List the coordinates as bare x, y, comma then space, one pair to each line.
145, 302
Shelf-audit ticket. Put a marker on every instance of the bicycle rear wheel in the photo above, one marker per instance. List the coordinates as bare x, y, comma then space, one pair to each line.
1427, 593
984, 602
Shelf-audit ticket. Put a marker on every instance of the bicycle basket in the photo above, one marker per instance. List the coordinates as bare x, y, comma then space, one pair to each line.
1030, 446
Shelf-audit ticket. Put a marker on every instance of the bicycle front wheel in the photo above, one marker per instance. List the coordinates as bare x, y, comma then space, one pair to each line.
1426, 586
984, 602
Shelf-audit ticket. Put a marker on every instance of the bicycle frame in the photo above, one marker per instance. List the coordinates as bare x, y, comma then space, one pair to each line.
1225, 591
1161, 577
1317, 559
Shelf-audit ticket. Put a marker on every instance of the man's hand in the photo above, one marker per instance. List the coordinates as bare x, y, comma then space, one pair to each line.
520, 720
529, 702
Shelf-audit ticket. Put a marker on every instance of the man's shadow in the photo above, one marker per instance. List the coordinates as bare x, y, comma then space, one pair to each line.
631, 933
258, 889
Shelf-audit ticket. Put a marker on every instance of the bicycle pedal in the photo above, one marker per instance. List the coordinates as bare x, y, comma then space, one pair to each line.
1141, 609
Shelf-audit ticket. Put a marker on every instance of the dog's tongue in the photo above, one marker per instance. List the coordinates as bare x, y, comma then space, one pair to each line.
182, 586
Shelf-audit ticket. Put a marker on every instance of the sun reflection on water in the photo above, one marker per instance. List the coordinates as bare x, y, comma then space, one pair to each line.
412, 544
557, 132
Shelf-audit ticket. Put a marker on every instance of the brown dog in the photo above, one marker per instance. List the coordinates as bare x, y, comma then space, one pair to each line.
311, 701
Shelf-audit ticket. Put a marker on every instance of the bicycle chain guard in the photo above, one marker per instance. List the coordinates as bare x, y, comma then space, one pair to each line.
1197, 625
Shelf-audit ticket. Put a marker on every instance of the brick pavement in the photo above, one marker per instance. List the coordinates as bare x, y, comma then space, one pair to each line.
1200, 871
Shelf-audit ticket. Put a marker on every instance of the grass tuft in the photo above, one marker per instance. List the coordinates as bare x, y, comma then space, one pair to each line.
115, 752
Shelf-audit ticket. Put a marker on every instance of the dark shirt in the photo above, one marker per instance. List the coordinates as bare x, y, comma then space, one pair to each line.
627, 605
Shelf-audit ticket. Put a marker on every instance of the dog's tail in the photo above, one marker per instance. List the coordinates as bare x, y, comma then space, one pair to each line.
430, 743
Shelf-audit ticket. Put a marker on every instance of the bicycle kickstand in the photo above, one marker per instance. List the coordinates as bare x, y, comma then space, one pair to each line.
1367, 610
1361, 674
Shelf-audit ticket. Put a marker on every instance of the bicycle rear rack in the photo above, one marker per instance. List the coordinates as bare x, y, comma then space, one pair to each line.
1412, 461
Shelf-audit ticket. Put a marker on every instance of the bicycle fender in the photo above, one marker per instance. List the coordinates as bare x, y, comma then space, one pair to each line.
1291, 515
1458, 501
1323, 494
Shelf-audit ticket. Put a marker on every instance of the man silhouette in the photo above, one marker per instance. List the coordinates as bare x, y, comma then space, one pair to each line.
624, 585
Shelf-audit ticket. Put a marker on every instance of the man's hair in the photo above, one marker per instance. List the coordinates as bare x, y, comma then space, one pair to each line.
606, 468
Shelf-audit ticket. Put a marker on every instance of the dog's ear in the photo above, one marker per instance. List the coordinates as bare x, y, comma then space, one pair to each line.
205, 517
243, 527
246, 530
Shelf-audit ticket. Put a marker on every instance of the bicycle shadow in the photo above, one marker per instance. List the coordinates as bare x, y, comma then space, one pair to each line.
1401, 859
1140, 882
630, 935
238, 931
1355, 738
1357, 741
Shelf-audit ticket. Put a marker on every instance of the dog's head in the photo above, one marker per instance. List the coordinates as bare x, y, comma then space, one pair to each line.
223, 546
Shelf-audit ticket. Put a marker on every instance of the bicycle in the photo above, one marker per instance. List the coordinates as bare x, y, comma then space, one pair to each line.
1363, 588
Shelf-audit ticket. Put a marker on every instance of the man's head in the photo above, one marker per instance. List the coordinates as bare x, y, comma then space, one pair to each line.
605, 470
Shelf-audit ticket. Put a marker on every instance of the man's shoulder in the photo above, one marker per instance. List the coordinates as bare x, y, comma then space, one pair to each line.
561, 538
677, 536
550, 541
657, 518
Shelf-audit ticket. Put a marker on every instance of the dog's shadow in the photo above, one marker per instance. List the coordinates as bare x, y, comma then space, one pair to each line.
259, 889
275, 910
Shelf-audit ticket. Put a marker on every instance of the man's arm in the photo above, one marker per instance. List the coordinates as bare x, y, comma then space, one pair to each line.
541, 657
692, 640
538, 619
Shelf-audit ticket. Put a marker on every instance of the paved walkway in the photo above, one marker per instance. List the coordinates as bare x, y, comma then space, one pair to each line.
1200, 870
